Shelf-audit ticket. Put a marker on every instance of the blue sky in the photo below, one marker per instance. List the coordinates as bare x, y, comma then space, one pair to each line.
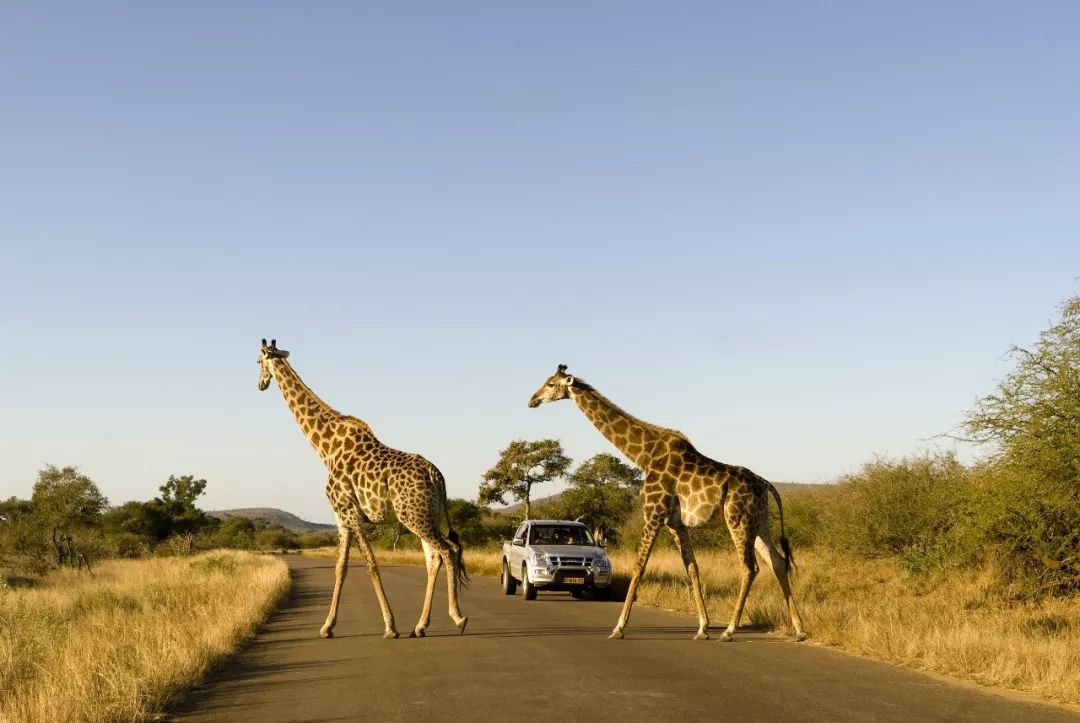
803, 233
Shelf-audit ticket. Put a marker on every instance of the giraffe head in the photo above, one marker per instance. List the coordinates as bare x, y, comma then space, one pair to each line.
555, 388
266, 368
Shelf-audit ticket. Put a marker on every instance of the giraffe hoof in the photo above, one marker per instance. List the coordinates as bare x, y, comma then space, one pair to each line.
701, 636
418, 633
615, 635
461, 626
799, 637
390, 635
326, 634
726, 636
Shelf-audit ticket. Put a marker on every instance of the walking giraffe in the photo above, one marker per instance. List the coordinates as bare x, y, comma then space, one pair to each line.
684, 488
366, 479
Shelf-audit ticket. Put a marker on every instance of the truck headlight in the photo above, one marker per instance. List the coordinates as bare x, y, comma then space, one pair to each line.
540, 559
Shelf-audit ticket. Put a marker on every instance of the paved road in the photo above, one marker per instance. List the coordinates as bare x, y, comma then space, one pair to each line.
549, 660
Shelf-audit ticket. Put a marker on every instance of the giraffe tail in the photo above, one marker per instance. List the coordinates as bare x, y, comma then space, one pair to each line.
452, 536
459, 558
785, 544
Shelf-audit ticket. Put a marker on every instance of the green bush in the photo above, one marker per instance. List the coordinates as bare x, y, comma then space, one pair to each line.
894, 507
1027, 527
313, 539
276, 537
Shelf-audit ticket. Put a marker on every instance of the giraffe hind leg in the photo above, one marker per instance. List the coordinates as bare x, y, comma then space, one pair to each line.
445, 552
433, 561
779, 566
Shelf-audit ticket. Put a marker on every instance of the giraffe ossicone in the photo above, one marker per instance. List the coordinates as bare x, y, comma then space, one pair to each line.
683, 488
366, 479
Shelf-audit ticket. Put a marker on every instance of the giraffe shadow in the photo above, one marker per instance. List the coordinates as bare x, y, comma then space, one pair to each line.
597, 631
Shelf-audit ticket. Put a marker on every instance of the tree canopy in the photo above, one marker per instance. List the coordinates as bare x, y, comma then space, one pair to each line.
602, 493
521, 466
65, 499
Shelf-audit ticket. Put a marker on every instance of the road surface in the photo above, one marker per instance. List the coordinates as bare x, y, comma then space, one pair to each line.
550, 660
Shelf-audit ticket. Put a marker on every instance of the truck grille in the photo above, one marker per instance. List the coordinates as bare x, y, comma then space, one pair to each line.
571, 561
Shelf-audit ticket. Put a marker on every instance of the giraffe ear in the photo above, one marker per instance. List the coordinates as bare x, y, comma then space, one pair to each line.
568, 380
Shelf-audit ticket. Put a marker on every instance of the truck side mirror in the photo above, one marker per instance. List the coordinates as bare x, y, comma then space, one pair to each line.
518, 542
601, 543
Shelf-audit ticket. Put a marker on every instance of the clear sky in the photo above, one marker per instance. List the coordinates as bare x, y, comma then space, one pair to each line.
804, 233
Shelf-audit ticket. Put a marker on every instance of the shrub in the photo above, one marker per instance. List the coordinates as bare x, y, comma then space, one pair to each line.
276, 537
310, 540
894, 507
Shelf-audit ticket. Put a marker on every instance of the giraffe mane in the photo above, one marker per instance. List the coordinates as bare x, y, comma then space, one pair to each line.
582, 385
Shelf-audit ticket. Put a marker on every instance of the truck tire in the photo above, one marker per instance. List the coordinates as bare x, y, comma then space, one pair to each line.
528, 590
601, 593
509, 584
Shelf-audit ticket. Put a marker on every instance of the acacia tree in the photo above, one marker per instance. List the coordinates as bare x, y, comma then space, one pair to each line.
66, 502
602, 493
1031, 509
521, 465
175, 508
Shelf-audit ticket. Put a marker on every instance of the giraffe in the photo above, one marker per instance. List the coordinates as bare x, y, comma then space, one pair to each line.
683, 488
367, 478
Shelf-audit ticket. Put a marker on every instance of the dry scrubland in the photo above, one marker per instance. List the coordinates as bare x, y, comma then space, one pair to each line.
951, 625
122, 644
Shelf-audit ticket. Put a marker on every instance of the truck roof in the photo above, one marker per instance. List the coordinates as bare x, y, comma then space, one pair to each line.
555, 522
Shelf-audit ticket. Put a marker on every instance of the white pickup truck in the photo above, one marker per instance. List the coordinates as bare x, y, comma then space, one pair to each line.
555, 555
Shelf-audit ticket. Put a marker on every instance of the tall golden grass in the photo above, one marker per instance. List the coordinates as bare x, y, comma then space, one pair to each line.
123, 644
951, 625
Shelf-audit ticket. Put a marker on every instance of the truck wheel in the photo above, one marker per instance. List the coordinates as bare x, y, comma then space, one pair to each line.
509, 584
577, 594
528, 590
602, 593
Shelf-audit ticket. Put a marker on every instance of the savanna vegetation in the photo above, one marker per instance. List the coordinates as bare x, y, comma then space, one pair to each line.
125, 642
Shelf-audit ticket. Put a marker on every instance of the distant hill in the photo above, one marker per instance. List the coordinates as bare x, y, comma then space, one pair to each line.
273, 516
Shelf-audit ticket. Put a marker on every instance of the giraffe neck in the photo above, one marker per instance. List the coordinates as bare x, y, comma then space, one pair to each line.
314, 416
632, 436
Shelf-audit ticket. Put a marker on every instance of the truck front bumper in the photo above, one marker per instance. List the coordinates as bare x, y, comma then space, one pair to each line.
565, 578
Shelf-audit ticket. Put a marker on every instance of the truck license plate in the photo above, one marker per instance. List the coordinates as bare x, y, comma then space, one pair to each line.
574, 580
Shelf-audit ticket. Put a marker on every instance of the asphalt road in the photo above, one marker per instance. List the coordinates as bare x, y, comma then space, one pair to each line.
550, 660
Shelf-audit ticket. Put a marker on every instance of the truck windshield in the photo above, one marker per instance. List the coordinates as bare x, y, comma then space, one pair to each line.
560, 535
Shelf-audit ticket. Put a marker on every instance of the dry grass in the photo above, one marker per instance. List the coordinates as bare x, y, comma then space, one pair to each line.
952, 626
123, 644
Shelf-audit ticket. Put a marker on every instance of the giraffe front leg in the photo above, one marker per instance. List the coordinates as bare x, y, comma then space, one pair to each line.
648, 536
376, 580
341, 569
686, 551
